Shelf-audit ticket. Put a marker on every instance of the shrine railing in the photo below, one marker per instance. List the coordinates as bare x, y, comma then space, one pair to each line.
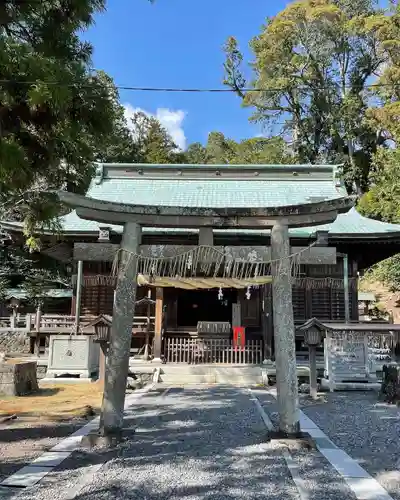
62, 323
215, 351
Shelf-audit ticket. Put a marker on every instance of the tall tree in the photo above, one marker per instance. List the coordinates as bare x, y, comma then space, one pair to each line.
153, 143
55, 113
257, 150
313, 64
120, 145
197, 154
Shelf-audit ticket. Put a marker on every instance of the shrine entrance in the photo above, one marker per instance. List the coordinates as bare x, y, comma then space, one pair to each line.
205, 198
204, 305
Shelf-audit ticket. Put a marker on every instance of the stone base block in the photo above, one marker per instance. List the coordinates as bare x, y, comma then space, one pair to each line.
298, 441
18, 379
95, 439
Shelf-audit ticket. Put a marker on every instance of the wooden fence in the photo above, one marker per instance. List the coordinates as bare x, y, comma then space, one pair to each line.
41, 326
59, 323
216, 351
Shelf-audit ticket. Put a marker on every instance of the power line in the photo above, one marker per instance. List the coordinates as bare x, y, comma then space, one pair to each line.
188, 89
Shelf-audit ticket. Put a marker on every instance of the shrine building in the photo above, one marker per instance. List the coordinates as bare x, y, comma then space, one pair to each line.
333, 243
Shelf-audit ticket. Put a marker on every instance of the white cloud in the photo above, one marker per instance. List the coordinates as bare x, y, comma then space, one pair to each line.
170, 119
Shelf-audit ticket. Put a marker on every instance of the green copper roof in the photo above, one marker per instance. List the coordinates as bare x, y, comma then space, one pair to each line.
216, 186
224, 186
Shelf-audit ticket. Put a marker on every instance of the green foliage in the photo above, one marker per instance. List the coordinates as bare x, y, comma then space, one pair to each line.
153, 143
32, 272
56, 113
313, 62
36, 286
382, 201
387, 272
221, 150
379, 312
197, 154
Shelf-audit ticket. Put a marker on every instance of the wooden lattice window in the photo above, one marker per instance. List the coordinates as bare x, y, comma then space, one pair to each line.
97, 300
299, 303
320, 303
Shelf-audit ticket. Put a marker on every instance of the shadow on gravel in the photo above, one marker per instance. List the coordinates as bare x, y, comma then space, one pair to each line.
197, 444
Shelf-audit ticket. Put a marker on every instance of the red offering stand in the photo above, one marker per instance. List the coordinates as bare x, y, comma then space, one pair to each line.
239, 337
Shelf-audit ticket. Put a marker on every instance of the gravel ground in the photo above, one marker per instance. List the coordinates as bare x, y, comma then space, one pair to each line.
368, 430
357, 422
192, 443
23, 440
320, 478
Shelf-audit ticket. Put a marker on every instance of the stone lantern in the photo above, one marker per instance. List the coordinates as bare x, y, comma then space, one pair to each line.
14, 305
314, 332
102, 329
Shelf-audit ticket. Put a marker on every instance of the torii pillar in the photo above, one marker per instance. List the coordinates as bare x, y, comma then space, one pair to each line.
117, 363
285, 346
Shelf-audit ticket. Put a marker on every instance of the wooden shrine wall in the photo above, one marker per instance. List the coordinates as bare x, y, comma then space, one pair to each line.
251, 309
99, 299
324, 303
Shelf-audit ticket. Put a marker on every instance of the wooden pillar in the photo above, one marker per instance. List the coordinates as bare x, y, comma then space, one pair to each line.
346, 288
158, 323
117, 363
73, 304
78, 298
267, 322
147, 338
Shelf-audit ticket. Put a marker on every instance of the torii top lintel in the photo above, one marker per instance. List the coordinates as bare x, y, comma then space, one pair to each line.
218, 196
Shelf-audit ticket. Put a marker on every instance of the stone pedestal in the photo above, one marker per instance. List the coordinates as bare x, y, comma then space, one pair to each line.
313, 371
285, 347
72, 355
18, 379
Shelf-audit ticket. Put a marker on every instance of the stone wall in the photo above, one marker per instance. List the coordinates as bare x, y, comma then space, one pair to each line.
14, 341
18, 379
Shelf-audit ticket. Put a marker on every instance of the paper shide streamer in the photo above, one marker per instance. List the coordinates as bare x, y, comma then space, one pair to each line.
207, 261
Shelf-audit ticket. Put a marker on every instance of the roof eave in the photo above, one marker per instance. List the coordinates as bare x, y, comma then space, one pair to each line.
302, 215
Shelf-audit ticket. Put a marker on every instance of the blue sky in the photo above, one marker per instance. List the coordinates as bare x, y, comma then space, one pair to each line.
178, 43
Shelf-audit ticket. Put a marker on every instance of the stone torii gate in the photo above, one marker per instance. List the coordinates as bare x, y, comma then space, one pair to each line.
134, 217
